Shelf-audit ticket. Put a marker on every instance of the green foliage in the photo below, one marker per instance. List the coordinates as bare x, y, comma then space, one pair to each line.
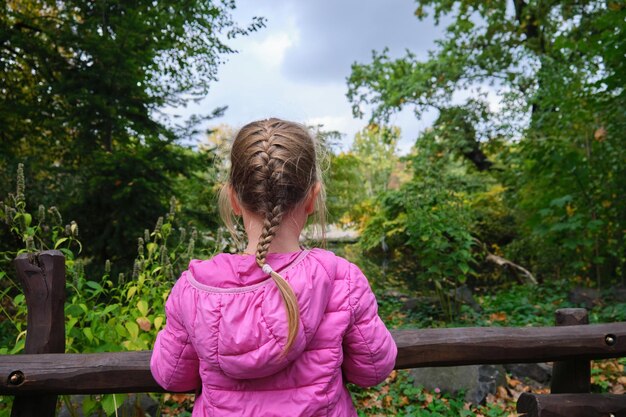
370, 162
93, 74
82, 88
429, 220
554, 146
109, 313
342, 197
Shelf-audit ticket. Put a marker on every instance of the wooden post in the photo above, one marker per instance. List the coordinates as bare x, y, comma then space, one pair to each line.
43, 279
571, 405
572, 376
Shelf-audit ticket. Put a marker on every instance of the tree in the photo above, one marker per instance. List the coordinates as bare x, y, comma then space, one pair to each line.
98, 72
82, 85
556, 68
369, 163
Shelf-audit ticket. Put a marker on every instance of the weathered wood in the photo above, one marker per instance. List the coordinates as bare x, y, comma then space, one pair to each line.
571, 405
573, 376
130, 371
42, 276
71, 373
43, 279
496, 345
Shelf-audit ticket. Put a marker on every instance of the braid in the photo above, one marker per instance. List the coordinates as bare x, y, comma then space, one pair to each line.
270, 227
274, 212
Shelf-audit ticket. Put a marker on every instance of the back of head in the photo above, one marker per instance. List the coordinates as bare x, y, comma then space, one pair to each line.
273, 168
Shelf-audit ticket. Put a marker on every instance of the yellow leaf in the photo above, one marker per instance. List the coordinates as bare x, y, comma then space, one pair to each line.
158, 321
142, 306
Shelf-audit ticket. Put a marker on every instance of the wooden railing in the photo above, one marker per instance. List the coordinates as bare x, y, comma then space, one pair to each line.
38, 376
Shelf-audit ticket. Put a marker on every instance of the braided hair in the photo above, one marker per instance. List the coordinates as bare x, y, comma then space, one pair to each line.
273, 167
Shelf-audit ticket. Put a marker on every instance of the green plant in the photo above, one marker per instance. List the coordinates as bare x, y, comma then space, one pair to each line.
104, 314
429, 219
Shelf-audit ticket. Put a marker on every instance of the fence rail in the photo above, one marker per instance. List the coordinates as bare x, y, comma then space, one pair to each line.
36, 377
60, 373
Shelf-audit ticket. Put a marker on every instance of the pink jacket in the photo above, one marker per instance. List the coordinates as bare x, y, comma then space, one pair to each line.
227, 327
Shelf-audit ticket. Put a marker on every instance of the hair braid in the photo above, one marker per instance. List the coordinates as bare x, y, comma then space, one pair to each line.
274, 212
271, 223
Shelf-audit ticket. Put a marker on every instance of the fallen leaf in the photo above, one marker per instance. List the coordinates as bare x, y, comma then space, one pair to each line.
502, 392
497, 316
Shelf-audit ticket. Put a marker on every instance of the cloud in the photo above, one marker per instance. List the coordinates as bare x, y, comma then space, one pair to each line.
296, 67
332, 35
271, 50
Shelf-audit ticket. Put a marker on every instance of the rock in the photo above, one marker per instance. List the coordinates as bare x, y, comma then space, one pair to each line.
135, 405
477, 381
395, 294
538, 372
587, 297
464, 295
416, 302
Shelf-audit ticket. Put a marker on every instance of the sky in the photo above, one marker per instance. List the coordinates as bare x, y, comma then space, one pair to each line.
296, 67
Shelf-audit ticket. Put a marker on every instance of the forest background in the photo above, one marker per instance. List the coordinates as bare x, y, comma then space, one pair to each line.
537, 184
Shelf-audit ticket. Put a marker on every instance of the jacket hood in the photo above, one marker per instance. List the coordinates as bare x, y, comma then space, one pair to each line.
248, 338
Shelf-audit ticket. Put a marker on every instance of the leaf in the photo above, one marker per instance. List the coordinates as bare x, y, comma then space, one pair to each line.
121, 331
144, 324
501, 316
133, 329
109, 308
71, 323
131, 291
111, 402
88, 334
151, 248
18, 299
89, 404
158, 321
59, 242
94, 285
142, 306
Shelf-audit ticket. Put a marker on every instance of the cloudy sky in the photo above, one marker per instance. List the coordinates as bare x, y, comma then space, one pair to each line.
296, 67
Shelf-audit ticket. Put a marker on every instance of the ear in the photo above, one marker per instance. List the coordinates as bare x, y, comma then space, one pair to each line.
312, 197
234, 201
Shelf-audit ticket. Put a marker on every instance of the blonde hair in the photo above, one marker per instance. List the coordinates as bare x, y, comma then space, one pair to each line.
273, 168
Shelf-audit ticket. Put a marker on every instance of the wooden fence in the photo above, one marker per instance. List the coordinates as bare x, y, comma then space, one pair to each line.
44, 371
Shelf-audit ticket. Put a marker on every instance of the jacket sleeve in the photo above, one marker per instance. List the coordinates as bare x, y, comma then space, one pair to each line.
174, 363
369, 350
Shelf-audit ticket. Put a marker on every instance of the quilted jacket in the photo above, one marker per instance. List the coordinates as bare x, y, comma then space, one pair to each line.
226, 329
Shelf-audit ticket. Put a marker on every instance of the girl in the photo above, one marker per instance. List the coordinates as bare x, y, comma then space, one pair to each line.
277, 330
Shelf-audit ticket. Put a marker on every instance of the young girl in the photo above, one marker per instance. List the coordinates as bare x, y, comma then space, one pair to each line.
278, 330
